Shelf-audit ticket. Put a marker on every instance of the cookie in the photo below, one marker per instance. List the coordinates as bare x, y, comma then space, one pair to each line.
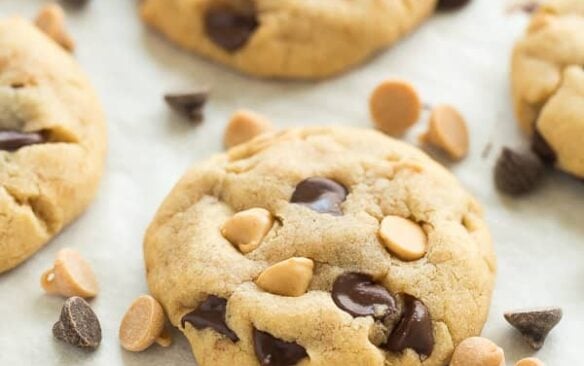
52, 140
274, 253
286, 38
547, 75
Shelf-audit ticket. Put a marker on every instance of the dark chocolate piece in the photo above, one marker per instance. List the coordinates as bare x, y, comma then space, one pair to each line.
359, 295
14, 140
276, 352
517, 173
78, 325
228, 28
210, 314
321, 195
189, 104
535, 324
414, 330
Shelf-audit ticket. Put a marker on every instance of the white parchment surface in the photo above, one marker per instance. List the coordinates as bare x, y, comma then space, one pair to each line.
460, 58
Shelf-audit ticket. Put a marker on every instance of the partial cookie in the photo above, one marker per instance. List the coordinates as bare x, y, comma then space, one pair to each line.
52, 140
286, 38
281, 252
548, 83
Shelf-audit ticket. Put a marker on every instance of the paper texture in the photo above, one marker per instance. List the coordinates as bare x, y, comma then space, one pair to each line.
460, 58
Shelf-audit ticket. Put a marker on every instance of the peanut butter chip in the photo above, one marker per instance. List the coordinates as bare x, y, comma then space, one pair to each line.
246, 229
395, 107
403, 237
143, 325
71, 275
530, 361
478, 351
447, 131
287, 278
244, 125
51, 20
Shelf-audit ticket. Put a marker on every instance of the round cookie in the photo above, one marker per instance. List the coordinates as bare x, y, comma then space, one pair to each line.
52, 140
547, 75
286, 38
274, 253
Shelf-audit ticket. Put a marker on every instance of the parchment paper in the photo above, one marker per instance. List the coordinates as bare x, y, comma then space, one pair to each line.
460, 58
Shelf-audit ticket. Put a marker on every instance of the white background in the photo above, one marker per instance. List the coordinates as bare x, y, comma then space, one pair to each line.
460, 58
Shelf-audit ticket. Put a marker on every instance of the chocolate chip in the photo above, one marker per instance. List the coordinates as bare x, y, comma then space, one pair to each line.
451, 4
535, 324
530, 7
188, 104
78, 324
517, 173
358, 295
321, 195
273, 351
210, 314
14, 140
228, 28
542, 149
414, 330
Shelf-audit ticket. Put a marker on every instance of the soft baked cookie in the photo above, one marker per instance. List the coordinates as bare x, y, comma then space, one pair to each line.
286, 38
52, 140
548, 83
321, 246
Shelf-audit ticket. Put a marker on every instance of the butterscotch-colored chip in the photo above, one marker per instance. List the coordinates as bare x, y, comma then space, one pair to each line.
403, 237
395, 106
143, 325
246, 229
478, 351
244, 125
287, 278
71, 275
51, 20
530, 361
447, 131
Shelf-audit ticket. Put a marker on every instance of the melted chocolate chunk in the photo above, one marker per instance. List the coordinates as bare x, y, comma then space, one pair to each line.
228, 28
414, 330
542, 149
451, 4
358, 295
14, 140
210, 314
273, 351
321, 195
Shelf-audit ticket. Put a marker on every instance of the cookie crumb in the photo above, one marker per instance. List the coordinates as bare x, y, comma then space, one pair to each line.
517, 173
51, 20
243, 126
535, 324
189, 104
395, 106
78, 325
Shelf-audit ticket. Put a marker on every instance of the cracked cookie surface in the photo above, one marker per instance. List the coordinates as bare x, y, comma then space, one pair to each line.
52, 140
547, 75
315, 284
286, 38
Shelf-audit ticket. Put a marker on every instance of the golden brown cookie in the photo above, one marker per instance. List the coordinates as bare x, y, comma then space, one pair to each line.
547, 75
52, 140
326, 281
286, 38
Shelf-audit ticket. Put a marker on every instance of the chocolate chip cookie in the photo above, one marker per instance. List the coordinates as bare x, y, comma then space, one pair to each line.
321, 246
548, 83
286, 38
52, 140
